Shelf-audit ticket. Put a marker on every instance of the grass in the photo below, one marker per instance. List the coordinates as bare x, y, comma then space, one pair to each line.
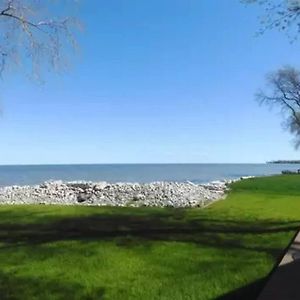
221, 252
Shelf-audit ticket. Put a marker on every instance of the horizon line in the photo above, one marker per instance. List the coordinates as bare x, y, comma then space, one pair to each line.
156, 163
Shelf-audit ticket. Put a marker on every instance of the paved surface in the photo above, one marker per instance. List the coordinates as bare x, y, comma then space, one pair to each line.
284, 283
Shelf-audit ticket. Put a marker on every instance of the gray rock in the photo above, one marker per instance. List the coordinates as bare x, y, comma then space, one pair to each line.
175, 194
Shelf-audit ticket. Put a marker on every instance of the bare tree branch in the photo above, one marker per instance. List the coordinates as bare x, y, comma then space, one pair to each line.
284, 91
29, 35
283, 15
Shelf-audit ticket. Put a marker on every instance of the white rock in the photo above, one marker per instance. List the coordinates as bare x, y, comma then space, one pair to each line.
161, 194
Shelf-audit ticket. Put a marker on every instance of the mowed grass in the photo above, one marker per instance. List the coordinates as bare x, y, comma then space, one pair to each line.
221, 252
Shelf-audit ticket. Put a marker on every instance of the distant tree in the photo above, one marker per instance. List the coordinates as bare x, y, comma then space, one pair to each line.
34, 35
284, 84
283, 90
283, 15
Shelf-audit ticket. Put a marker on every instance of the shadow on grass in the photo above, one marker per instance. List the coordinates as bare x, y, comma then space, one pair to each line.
128, 230
13, 287
248, 292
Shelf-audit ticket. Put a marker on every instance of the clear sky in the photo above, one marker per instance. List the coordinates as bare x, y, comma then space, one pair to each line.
155, 81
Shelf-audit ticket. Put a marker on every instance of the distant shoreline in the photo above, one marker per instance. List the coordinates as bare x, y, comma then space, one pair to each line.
284, 162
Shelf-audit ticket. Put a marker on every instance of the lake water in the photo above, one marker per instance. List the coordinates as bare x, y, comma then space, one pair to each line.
197, 173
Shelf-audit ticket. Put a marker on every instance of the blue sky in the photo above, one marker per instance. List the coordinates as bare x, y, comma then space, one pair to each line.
155, 81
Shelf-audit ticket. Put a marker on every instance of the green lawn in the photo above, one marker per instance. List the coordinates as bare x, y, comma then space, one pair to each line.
221, 252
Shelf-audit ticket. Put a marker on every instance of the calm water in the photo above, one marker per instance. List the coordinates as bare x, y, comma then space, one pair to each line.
197, 173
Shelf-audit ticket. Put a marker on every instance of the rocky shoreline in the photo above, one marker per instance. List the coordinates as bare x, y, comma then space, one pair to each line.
157, 194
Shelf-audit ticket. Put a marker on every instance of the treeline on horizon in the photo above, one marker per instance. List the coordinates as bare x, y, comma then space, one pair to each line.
284, 162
